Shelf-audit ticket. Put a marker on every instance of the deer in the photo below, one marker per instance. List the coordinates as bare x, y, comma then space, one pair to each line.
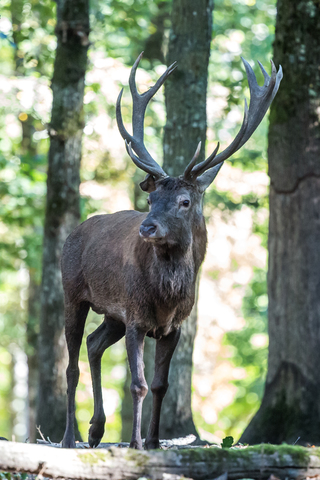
139, 269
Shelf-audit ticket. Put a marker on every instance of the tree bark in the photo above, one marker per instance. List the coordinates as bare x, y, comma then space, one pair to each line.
62, 209
290, 407
198, 464
32, 353
185, 96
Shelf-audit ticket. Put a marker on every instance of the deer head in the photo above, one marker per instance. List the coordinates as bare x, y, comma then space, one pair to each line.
190, 186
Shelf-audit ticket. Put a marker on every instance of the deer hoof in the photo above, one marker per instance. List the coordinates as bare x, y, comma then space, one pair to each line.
137, 445
68, 442
152, 444
93, 442
95, 434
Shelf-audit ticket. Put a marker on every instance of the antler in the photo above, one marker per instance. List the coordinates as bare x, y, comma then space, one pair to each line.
135, 142
260, 100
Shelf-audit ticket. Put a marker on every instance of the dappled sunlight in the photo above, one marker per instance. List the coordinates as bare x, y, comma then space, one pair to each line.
113, 198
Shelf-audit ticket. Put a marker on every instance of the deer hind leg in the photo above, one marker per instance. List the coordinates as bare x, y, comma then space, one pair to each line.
139, 388
164, 351
108, 333
75, 318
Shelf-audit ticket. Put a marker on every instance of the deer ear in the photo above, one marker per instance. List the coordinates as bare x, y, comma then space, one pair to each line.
148, 184
207, 177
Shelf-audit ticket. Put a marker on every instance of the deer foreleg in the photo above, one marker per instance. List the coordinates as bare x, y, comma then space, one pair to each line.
164, 351
75, 317
108, 333
139, 387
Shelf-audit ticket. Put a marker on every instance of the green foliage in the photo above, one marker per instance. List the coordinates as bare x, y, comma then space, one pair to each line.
27, 51
243, 28
249, 350
229, 202
13, 476
124, 27
22, 191
227, 442
31, 40
5, 386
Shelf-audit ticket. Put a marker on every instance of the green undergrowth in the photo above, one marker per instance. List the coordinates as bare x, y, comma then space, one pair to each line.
13, 476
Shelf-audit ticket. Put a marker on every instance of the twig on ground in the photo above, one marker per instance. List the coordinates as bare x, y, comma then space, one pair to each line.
41, 434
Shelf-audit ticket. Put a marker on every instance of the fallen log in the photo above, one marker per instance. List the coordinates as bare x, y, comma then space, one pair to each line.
258, 462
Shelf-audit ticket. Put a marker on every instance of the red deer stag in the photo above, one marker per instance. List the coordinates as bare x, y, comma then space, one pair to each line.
140, 269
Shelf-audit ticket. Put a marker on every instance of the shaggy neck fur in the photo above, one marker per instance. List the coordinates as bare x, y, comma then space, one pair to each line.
173, 274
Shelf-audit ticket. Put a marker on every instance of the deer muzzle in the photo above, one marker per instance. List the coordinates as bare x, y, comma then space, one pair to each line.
147, 231
151, 230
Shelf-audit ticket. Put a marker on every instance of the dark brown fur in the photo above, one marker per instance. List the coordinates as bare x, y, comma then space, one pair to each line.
142, 285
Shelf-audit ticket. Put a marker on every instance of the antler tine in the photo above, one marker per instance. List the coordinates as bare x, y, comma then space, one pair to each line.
154, 171
140, 101
260, 100
132, 77
123, 132
190, 166
153, 90
264, 73
235, 145
139, 104
194, 172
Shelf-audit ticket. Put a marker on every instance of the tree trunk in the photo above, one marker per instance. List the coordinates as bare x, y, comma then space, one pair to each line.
62, 210
32, 353
185, 96
28, 148
176, 415
290, 406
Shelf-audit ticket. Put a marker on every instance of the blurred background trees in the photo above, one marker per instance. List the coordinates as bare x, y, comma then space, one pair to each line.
229, 367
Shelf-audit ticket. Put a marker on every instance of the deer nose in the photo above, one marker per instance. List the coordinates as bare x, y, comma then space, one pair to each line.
147, 230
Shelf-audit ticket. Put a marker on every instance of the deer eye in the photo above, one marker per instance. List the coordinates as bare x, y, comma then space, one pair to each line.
148, 201
186, 203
